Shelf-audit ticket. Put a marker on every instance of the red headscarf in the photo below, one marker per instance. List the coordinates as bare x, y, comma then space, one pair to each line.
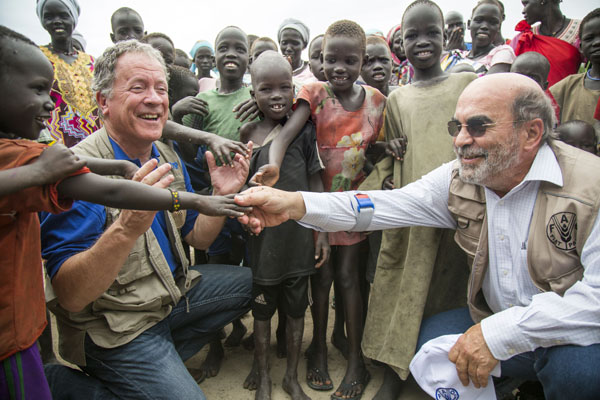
564, 58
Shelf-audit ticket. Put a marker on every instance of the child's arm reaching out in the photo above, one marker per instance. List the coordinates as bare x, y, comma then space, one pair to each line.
268, 174
103, 166
54, 164
119, 193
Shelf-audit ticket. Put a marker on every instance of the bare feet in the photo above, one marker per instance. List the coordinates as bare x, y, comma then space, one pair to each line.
293, 388
251, 382
263, 391
237, 334
391, 387
211, 365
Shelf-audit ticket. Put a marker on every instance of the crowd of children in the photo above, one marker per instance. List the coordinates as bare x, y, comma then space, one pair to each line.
364, 111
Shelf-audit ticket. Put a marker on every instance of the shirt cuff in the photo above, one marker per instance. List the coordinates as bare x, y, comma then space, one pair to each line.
503, 336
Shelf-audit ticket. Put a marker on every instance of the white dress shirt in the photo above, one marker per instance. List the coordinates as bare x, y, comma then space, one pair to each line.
524, 317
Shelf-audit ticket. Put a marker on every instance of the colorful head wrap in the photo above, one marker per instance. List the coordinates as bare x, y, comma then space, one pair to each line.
390, 39
71, 5
296, 25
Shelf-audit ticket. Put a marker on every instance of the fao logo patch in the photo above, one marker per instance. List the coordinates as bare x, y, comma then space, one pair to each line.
446, 394
562, 230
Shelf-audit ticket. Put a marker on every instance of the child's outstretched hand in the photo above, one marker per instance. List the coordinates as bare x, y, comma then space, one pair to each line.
246, 110
220, 206
189, 105
222, 149
57, 162
322, 249
267, 175
397, 148
228, 179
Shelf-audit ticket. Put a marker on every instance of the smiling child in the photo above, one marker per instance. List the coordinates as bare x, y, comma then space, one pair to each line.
348, 118
419, 112
377, 70
281, 258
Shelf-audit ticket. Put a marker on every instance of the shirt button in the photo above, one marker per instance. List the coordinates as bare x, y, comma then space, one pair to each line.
505, 272
511, 351
501, 202
510, 304
501, 237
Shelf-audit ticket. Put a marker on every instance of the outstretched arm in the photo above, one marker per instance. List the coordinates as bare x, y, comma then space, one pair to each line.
103, 166
220, 146
126, 194
270, 207
80, 280
55, 163
268, 174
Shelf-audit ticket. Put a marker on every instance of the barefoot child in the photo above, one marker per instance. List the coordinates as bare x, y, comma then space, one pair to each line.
36, 178
282, 259
348, 118
410, 257
231, 56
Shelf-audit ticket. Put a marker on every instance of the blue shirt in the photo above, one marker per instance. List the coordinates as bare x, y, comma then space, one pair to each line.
74, 231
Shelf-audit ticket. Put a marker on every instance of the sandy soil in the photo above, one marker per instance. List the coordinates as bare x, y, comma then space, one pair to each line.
228, 384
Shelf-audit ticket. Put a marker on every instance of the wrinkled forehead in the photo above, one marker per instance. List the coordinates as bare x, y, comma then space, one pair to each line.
136, 65
491, 102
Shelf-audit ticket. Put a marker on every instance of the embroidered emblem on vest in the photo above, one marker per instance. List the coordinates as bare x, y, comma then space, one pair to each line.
562, 230
446, 394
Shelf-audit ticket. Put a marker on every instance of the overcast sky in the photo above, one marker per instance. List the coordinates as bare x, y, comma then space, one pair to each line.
186, 21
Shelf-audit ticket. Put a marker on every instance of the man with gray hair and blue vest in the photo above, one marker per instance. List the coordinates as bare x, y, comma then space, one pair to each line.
525, 210
130, 309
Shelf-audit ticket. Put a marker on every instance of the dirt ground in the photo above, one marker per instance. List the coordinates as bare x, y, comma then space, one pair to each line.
228, 384
238, 361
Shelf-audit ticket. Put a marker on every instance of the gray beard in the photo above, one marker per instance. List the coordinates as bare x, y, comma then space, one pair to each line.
497, 160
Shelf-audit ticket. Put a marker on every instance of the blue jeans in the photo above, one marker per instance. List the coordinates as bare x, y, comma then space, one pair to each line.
565, 372
151, 366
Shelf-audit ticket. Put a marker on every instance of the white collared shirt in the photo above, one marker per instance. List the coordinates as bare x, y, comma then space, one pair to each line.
524, 318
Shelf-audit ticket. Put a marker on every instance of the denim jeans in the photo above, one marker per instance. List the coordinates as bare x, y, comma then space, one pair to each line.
565, 372
151, 366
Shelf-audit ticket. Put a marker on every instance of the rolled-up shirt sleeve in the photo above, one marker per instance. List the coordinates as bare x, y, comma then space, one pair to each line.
421, 203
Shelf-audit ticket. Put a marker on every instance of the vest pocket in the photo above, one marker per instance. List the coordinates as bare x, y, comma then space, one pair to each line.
467, 234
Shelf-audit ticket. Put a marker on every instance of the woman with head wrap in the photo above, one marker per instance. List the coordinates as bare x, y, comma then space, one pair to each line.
402, 71
76, 114
203, 56
293, 37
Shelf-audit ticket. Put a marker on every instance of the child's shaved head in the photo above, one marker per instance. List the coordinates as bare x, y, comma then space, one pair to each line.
424, 3
533, 65
6, 34
267, 62
372, 40
349, 29
231, 27
120, 11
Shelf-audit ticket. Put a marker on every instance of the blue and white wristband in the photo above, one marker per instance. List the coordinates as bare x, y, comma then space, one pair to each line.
365, 209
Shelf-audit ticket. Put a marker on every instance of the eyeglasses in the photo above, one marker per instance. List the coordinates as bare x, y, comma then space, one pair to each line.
475, 127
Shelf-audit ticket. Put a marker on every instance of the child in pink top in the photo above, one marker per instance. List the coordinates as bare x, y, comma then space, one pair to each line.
348, 118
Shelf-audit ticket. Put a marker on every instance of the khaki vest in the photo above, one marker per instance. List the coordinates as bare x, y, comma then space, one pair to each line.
143, 292
561, 222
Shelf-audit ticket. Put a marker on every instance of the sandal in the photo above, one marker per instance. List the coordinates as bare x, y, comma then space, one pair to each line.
323, 377
347, 387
